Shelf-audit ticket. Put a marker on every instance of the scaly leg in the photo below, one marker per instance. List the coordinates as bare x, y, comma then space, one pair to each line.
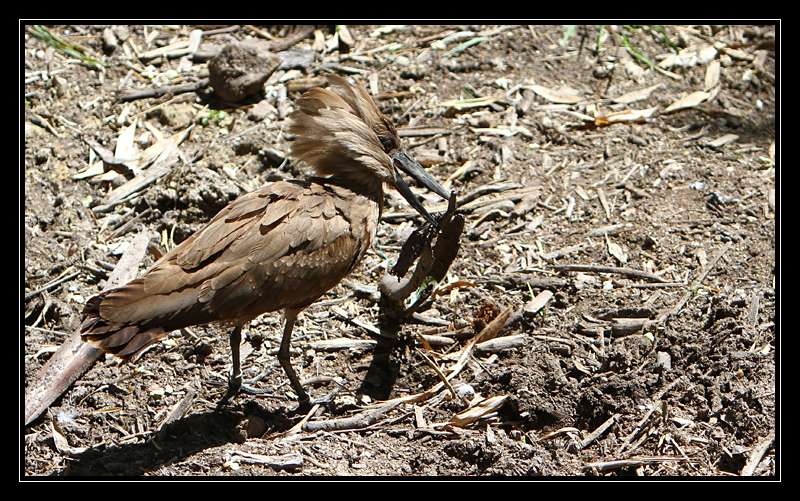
285, 359
235, 382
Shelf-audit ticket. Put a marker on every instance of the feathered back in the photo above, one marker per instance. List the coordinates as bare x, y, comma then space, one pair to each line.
340, 131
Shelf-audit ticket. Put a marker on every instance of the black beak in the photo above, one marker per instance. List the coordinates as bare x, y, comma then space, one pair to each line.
415, 170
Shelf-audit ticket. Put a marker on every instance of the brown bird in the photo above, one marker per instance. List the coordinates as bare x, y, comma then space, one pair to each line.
278, 248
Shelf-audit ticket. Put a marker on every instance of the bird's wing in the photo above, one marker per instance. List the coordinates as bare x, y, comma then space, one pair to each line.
280, 246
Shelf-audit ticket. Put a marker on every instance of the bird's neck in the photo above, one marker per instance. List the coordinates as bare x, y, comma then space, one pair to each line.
366, 186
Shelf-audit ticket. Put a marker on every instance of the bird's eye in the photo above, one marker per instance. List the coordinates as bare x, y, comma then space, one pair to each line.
387, 143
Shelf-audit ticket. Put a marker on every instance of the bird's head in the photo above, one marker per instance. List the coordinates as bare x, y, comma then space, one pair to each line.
341, 132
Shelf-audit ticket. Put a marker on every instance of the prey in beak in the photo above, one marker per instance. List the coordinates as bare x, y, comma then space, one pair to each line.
402, 162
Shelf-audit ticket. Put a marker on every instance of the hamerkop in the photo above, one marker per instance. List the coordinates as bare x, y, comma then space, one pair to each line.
278, 248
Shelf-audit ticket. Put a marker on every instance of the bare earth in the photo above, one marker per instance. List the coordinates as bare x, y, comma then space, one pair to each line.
691, 395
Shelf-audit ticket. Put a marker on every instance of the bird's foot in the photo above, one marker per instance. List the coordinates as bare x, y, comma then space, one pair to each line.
234, 385
304, 405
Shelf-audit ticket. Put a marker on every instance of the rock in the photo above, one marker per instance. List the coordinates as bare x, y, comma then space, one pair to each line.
110, 42
240, 70
122, 33
664, 360
41, 156
178, 116
261, 111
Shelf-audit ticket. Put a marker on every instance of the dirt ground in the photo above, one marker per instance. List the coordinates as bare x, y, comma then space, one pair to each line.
670, 372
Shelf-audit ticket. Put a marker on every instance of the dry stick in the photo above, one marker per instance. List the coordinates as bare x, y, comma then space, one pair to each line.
291, 40
422, 131
438, 371
75, 357
597, 432
605, 466
756, 454
51, 285
361, 420
179, 410
664, 285
592, 268
640, 425
134, 94
696, 283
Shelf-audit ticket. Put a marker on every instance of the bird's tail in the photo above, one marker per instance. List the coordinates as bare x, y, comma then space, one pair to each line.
122, 340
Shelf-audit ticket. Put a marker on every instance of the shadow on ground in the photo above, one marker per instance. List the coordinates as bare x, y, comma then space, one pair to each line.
174, 442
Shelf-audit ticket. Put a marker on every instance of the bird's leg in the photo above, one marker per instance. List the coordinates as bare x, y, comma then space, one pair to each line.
285, 359
235, 382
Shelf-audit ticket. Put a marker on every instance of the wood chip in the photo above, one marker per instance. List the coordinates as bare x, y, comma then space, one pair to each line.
501, 344
290, 461
625, 116
712, 75
723, 140
563, 95
637, 95
535, 305
342, 344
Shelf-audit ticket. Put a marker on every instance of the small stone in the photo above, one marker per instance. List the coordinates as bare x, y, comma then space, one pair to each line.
663, 360
177, 117
122, 33
110, 42
42, 155
261, 111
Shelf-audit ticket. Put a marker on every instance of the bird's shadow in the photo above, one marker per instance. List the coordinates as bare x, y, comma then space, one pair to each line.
383, 370
172, 443
205, 430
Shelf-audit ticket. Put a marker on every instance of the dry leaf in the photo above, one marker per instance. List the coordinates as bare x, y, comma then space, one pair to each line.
689, 101
772, 151
478, 411
563, 95
706, 54
93, 170
685, 59
616, 251
125, 150
712, 74
62, 445
636, 95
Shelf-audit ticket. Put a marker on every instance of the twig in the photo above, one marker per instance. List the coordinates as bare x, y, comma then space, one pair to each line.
605, 466
361, 420
663, 285
422, 131
291, 40
134, 94
180, 409
488, 189
51, 285
593, 268
756, 454
696, 283
438, 371
640, 425
290, 461
597, 432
